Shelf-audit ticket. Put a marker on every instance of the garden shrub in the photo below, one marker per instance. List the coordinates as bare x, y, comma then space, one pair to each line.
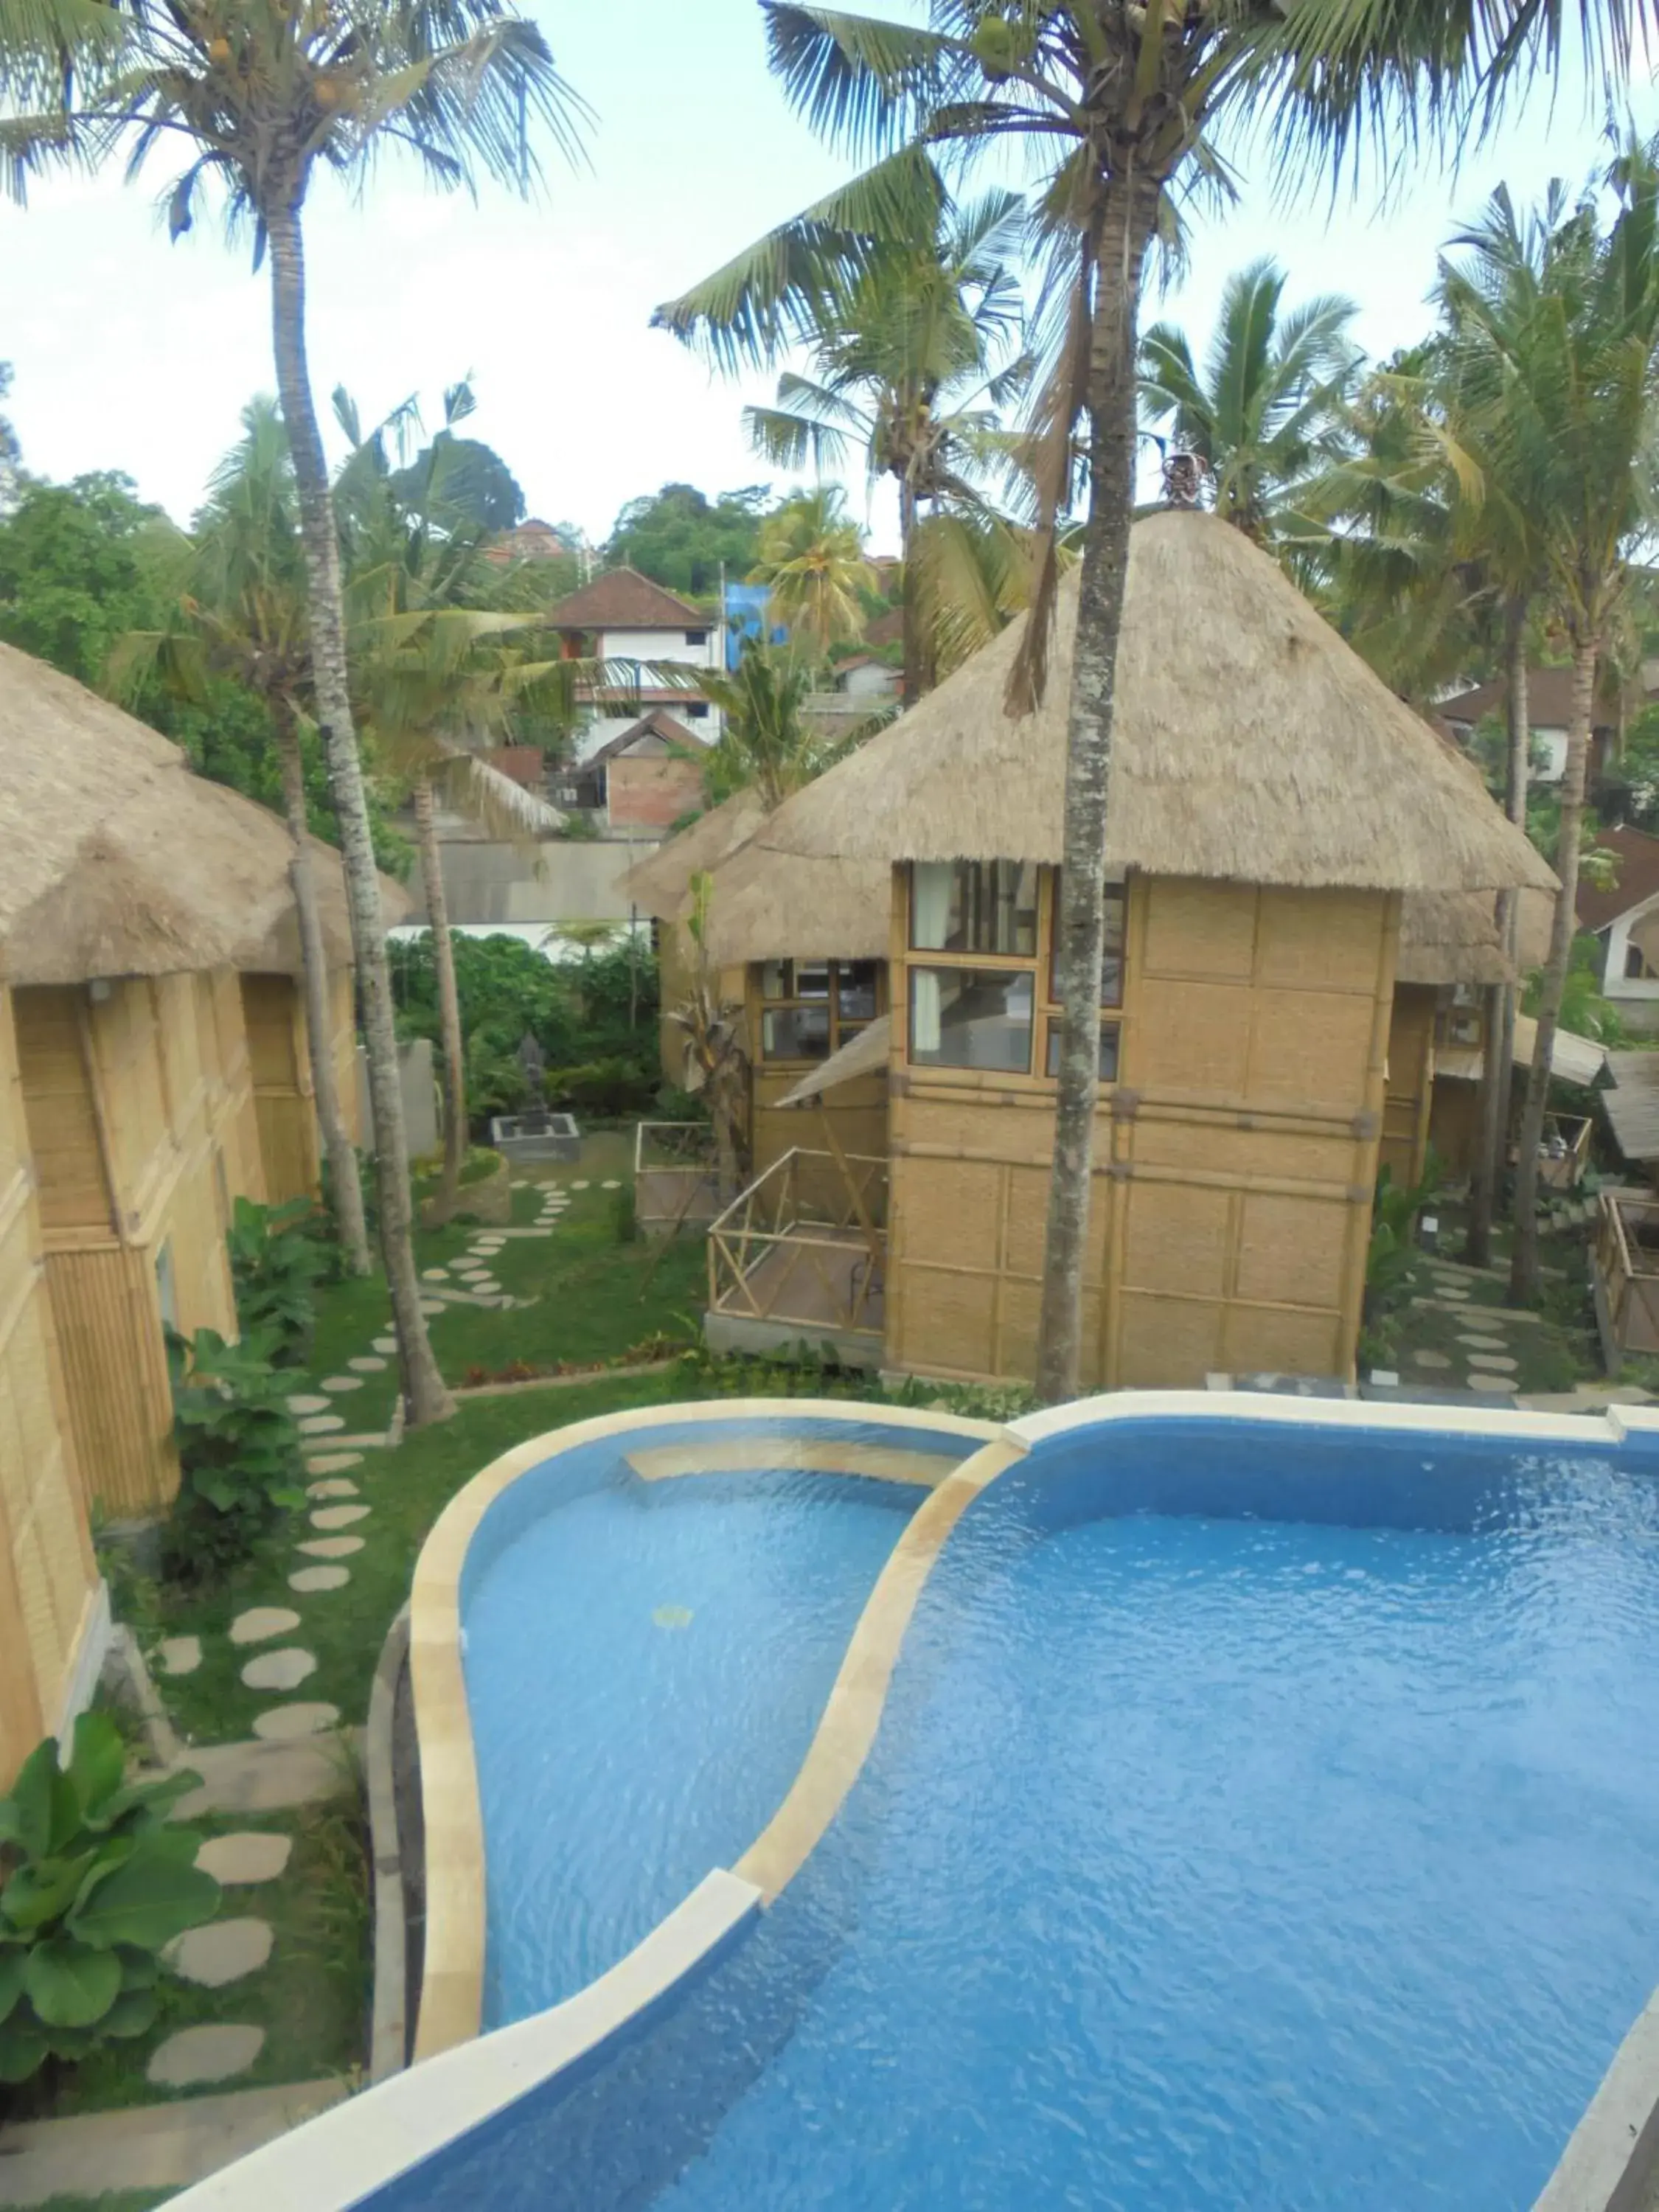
94, 1882
239, 1453
624, 1218
605, 1090
275, 1267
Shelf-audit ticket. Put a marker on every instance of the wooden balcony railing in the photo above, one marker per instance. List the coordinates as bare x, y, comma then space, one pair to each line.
1628, 1265
805, 1244
675, 1185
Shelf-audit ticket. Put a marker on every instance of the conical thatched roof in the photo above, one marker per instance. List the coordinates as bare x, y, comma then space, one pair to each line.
1451, 937
121, 861
661, 884
1251, 744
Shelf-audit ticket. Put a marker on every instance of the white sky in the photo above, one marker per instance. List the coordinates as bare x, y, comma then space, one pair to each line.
131, 353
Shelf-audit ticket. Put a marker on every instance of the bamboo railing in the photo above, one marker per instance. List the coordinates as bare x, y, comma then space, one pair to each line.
1629, 1268
805, 1244
675, 1184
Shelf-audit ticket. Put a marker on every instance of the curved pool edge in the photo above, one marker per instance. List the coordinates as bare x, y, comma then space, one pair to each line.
450, 2007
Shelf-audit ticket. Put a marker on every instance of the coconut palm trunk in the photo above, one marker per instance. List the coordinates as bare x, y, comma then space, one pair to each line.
1523, 1269
344, 1189
912, 686
1126, 232
449, 997
1499, 1024
425, 1396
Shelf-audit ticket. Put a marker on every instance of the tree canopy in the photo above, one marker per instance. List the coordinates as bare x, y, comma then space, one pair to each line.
680, 538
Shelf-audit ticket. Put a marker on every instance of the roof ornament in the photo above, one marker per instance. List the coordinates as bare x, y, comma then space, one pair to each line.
1185, 475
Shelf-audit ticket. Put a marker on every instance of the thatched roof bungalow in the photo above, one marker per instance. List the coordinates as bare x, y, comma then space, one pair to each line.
1271, 803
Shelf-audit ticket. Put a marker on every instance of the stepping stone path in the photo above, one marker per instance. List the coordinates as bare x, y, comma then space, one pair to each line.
1492, 1382
337, 1383
580, 1186
388, 1345
612, 1185
1432, 1359
318, 1579
262, 1623
333, 1547
332, 1462
245, 1855
279, 1670
340, 1487
434, 1274
303, 1402
222, 1952
181, 1655
320, 1424
288, 1723
204, 2054
366, 1363
431, 1308
1493, 1361
339, 1517
1484, 1343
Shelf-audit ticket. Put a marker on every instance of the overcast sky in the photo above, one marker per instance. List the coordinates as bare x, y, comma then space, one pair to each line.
134, 354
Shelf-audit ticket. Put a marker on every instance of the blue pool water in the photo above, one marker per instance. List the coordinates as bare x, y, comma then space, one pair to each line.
646, 1662
1265, 1823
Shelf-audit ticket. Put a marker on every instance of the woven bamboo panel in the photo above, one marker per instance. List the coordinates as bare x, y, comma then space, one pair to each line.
1454, 1122
1178, 1240
109, 1326
1293, 1249
1276, 1340
126, 1053
1411, 1071
1309, 1051
58, 1099
288, 1136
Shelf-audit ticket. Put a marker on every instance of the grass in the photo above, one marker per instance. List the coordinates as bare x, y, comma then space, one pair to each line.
114, 2200
1553, 1354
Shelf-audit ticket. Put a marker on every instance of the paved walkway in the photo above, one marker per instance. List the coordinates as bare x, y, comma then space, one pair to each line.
152, 2146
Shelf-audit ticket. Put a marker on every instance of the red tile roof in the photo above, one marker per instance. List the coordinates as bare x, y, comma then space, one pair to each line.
659, 724
623, 599
1638, 877
1549, 701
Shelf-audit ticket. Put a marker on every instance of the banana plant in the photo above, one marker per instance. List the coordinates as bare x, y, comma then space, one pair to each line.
95, 1884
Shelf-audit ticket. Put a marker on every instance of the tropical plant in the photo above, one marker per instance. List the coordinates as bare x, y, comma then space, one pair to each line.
1393, 1247
716, 1061
1584, 1011
1554, 335
1267, 410
275, 1265
244, 617
811, 561
1112, 97
261, 95
912, 352
94, 1882
766, 744
682, 539
238, 1452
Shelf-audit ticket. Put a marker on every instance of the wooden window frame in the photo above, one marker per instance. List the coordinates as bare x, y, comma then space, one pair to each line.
842, 1028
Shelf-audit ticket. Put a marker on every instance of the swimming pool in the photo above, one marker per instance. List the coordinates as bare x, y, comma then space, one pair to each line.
1262, 1813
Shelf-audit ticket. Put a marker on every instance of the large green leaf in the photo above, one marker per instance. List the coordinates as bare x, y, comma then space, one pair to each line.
40, 1893
69, 1984
42, 1813
132, 2014
22, 2048
147, 1901
11, 1978
140, 1804
97, 1761
140, 1969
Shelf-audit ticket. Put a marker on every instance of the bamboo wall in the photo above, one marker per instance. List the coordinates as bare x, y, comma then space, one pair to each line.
48, 1579
1411, 1082
1455, 1123
288, 1147
1235, 1159
856, 1111
140, 1115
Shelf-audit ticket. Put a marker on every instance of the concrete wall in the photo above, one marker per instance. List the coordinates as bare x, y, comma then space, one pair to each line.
418, 1071
557, 881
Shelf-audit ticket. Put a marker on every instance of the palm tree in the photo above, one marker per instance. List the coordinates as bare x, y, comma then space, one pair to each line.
1554, 338
245, 617
256, 94
1268, 410
811, 561
912, 352
765, 744
1112, 97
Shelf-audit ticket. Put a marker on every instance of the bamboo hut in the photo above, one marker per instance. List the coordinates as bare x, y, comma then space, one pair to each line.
143, 892
1272, 802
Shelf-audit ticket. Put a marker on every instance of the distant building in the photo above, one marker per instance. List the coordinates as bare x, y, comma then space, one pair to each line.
1549, 706
867, 680
640, 630
746, 619
533, 540
642, 780
1619, 920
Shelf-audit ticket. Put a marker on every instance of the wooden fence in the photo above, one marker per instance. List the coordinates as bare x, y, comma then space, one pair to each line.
1628, 1272
805, 1243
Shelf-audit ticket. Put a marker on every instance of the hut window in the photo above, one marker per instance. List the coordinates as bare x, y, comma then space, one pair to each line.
811, 1007
795, 1033
1110, 1036
857, 982
975, 906
1636, 965
972, 1018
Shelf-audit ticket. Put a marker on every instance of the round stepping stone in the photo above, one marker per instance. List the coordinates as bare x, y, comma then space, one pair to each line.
303, 1402
290, 1723
279, 1670
332, 1462
1435, 1359
339, 1517
245, 1855
1455, 1298
339, 1487
222, 1952
583, 1185
431, 1308
475, 1274
388, 1345
337, 1385
320, 1424
332, 1547
261, 1623
319, 1578
1494, 1363
1495, 1382
366, 1363
181, 1655
1484, 1343
611, 1185
213, 2053
434, 1274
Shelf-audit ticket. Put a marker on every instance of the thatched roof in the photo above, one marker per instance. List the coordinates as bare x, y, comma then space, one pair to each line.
1251, 744
661, 884
121, 862
1451, 937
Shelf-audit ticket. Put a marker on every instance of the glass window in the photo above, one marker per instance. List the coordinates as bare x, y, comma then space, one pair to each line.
777, 979
971, 1017
1635, 966
1111, 950
855, 989
795, 1033
1110, 1033
812, 980
696, 637
974, 906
